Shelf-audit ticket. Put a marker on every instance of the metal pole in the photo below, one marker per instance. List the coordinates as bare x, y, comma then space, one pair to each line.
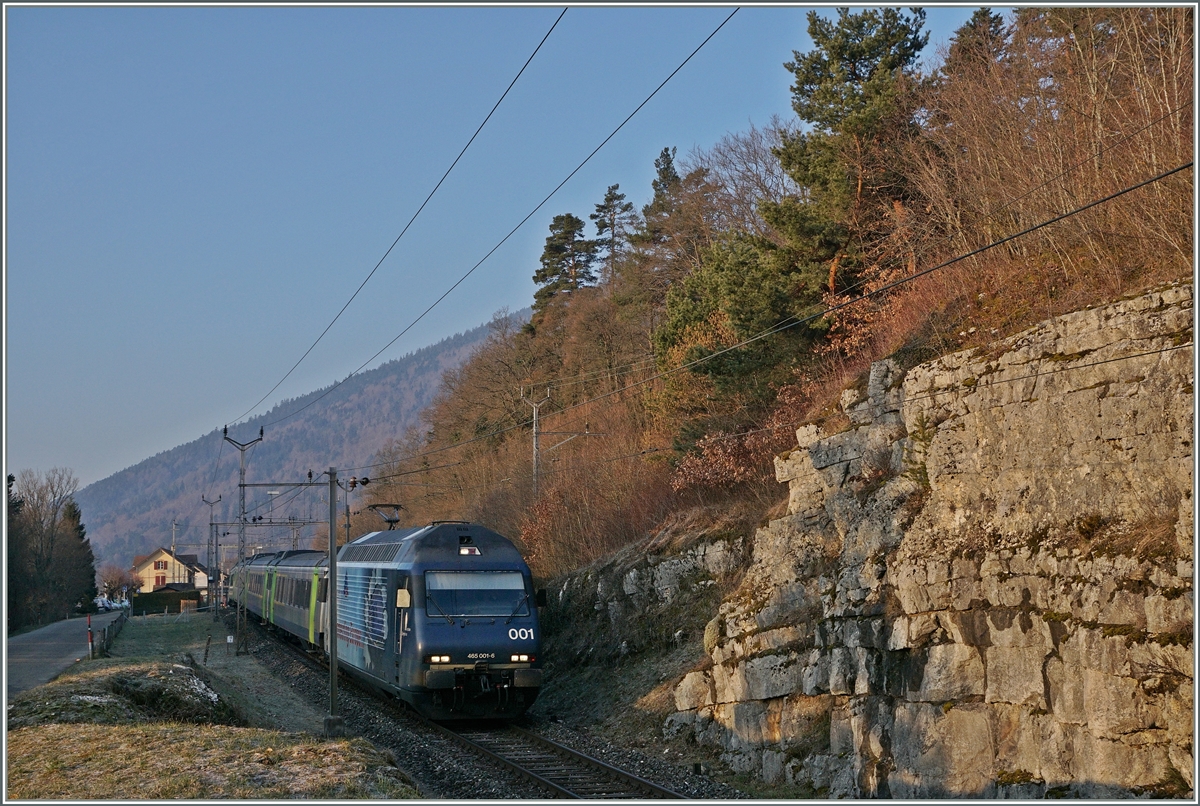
214, 569
334, 724
535, 406
242, 640
213, 560
243, 636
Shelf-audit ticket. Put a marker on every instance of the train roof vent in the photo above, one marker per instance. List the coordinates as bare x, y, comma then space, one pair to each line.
370, 553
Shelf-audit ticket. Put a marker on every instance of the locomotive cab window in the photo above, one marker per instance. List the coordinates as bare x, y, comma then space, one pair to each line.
475, 593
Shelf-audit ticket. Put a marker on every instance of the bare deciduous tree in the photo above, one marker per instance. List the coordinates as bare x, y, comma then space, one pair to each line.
746, 172
46, 498
113, 579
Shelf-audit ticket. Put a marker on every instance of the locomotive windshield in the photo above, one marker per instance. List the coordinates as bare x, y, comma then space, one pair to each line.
476, 593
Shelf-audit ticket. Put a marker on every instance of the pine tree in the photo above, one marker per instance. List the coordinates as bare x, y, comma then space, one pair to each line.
74, 566
566, 261
850, 89
666, 186
980, 41
615, 219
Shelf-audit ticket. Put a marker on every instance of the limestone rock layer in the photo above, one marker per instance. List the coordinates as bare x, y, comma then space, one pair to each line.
983, 588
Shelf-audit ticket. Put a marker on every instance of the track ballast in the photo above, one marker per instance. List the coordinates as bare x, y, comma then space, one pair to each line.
539, 767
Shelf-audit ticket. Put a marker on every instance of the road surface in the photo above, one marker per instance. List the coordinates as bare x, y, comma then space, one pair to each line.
40, 656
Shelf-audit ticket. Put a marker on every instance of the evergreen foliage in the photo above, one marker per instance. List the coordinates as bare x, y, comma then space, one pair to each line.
566, 263
74, 580
695, 356
852, 89
979, 42
615, 220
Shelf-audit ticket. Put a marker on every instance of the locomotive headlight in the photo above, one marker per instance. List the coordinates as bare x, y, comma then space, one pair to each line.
519, 658
437, 658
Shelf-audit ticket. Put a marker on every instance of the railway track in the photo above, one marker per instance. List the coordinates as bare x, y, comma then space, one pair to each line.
563, 772
558, 770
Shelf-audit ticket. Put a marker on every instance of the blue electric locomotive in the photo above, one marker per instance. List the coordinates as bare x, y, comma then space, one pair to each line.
442, 616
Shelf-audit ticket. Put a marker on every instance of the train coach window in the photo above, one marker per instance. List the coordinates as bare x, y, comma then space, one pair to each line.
323, 590
476, 593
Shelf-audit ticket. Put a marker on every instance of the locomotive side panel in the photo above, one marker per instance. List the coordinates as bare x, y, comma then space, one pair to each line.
362, 620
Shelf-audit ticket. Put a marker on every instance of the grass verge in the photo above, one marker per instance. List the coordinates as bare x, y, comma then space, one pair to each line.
173, 714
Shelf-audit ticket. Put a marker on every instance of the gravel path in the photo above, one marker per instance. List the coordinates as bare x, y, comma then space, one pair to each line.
440, 768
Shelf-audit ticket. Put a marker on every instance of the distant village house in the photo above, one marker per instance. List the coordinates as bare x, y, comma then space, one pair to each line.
162, 569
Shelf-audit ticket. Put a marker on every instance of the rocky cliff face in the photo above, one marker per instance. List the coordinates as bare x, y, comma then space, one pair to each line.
982, 588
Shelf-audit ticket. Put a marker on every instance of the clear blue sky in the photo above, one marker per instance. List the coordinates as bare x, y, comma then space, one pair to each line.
192, 193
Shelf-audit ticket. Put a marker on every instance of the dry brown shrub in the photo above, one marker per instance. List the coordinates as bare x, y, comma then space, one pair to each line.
1085, 102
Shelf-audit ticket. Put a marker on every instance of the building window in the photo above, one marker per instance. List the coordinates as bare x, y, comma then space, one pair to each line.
160, 565
159, 581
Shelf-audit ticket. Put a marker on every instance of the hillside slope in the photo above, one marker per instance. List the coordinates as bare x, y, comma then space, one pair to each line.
982, 587
131, 511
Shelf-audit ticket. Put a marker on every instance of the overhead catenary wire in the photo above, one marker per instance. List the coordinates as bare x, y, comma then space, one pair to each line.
959, 387
648, 451
618, 371
212, 479
793, 321
557, 384
948, 390
1078, 164
1084, 161
479, 129
514, 230
411, 220
781, 426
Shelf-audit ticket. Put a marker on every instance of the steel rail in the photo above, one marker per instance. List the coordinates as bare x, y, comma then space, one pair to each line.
475, 747
652, 788
574, 784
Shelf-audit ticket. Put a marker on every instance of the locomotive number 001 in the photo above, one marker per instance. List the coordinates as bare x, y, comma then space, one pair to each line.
521, 634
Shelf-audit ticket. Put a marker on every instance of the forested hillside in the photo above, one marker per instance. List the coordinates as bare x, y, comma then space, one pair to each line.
131, 512
681, 332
